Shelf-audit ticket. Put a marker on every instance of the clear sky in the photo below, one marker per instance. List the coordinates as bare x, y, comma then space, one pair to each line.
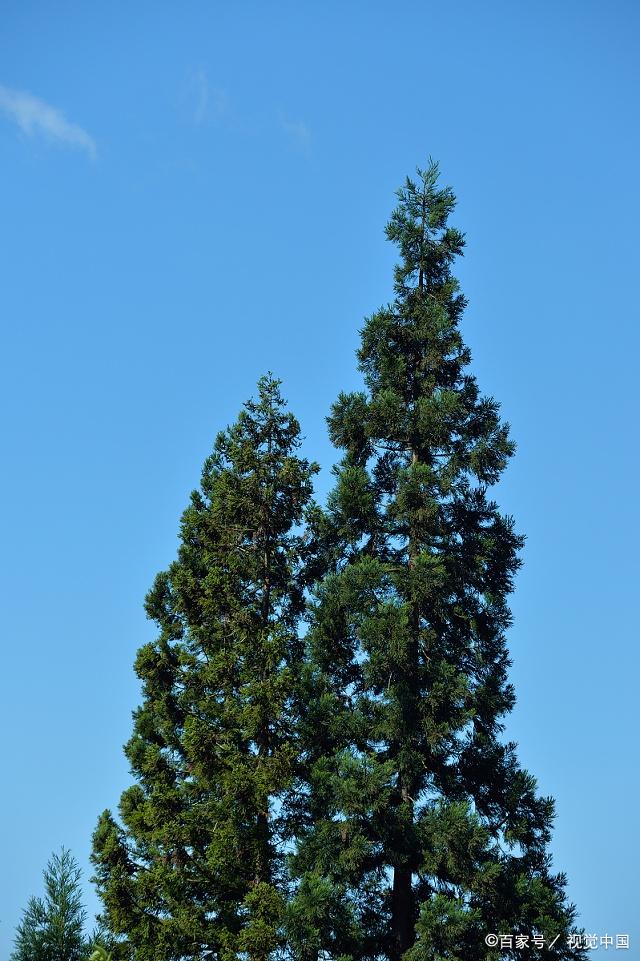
195, 193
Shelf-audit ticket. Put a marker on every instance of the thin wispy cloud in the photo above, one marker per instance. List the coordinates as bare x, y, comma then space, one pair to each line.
202, 96
203, 104
297, 131
210, 102
36, 117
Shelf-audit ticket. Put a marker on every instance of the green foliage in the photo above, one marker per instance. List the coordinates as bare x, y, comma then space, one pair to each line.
344, 795
52, 928
416, 812
196, 865
100, 954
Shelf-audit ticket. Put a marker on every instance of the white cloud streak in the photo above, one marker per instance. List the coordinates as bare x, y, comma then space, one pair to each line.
202, 96
210, 102
33, 116
298, 131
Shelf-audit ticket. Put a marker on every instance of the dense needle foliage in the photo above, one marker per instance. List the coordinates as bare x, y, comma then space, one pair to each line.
196, 866
52, 927
345, 793
419, 832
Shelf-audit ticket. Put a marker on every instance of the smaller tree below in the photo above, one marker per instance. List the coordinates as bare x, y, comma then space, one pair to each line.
197, 865
52, 928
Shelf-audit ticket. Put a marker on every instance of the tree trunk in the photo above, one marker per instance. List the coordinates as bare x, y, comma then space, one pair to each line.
402, 912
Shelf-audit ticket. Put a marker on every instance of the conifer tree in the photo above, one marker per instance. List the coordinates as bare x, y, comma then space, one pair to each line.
52, 927
195, 868
418, 832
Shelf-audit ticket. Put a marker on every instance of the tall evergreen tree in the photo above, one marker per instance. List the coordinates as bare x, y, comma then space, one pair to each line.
419, 833
195, 868
52, 927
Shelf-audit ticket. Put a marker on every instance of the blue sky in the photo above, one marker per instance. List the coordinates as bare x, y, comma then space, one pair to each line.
194, 194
